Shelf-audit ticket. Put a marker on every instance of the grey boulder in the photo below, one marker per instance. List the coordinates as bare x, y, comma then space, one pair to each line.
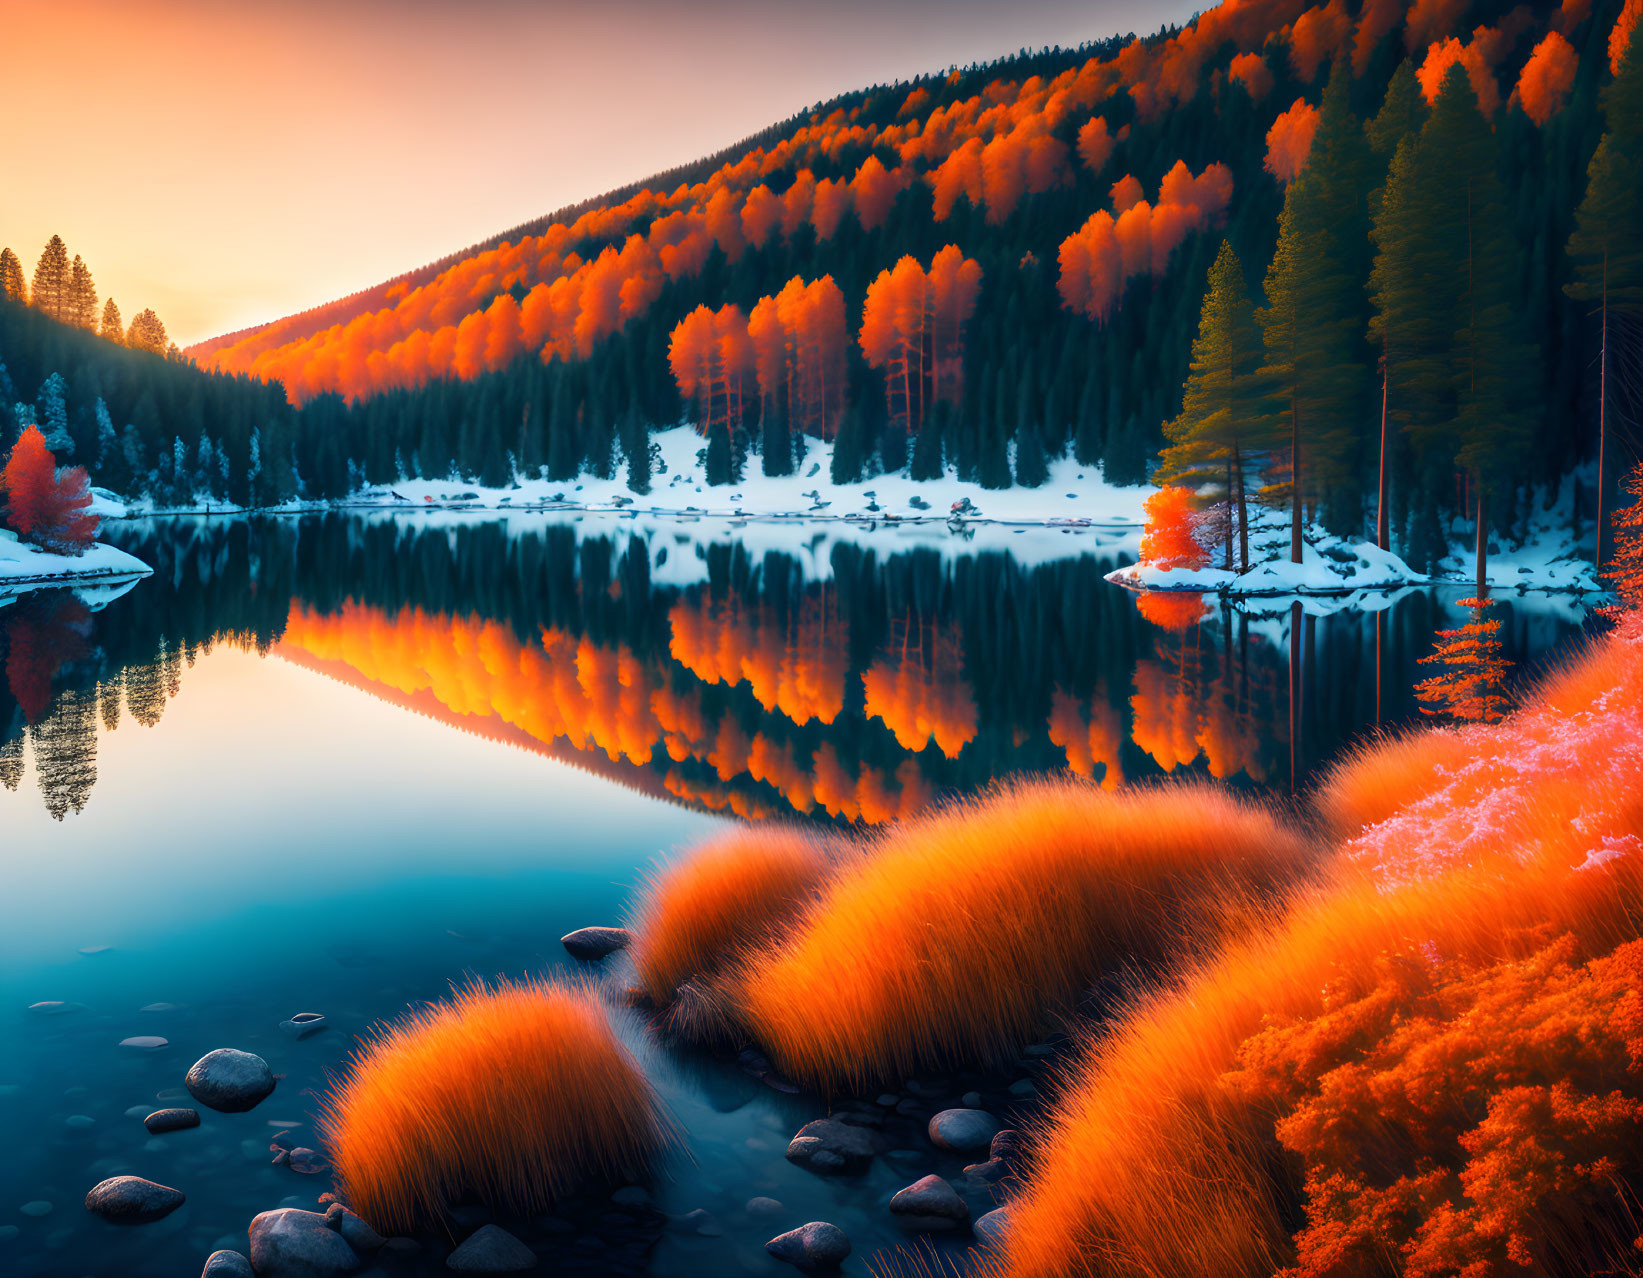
131, 1200
291, 1243
811, 1247
230, 1080
355, 1232
171, 1120
930, 1204
594, 943
963, 1130
227, 1264
833, 1148
491, 1249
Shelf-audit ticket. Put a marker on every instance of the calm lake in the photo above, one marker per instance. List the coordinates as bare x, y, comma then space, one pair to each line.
334, 763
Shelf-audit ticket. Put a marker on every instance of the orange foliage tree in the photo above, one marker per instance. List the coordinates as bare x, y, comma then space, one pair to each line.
1547, 77
799, 340
1472, 670
1170, 538
712, 358
51, 510
912, 326
1625, 567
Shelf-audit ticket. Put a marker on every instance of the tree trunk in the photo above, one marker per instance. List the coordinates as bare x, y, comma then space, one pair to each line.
1602, 413
1243, 510
1231, 498
1483, 542
1381, 538
1294, 480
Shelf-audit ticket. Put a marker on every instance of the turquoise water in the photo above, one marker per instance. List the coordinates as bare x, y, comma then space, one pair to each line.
299, 769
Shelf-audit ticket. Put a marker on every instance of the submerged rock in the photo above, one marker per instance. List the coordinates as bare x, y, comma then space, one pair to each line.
131, 1200
930, 1204
55, 1007
227, 1264
491, 1250
291, 1243
594, 943
831, 1147
229, 1080
817, 1245
171, 1120
144, 1043
990, 1228
303, 1024
963, 1130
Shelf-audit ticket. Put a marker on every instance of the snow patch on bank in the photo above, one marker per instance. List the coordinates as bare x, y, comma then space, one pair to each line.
25, 567
1074, 494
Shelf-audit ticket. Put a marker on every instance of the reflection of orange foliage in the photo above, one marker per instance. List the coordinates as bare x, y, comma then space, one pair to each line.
1037, 889
1106, 252
1165, 716
1289, 141
1087, 744
1171, 609
923, 696
801, 674
1363, 1012
40, 640
1547, 77
508, 1096
701, 910
1251, 71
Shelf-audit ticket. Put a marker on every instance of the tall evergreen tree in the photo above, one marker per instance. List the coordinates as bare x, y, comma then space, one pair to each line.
82, 296
1222, 427
13, 286
51, 280
113, 329
1314, 319
1607, 244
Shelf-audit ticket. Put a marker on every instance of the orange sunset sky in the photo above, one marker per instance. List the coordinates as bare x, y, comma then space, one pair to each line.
228, 162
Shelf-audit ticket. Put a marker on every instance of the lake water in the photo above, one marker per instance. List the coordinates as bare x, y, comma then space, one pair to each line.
336, 763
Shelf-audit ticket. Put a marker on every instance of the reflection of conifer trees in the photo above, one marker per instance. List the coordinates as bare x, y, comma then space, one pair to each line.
108, 699
145, 691
65, 753
11, 762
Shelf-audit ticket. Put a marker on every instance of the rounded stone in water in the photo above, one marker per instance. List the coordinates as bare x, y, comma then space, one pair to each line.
229, 1080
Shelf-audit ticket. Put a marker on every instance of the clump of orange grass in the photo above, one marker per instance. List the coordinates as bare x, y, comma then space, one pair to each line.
508, 1095
730, 893
1158, 1162
955, 936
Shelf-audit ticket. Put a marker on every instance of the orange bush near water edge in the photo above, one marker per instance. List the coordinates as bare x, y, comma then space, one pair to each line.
955, 936
734, 891
510, 1095
1440, 1066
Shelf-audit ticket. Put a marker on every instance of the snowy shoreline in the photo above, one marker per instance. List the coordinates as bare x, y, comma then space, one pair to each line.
24, 567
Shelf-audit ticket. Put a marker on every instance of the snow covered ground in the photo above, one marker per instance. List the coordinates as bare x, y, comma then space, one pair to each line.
1073, 493
1546, 559
25, 567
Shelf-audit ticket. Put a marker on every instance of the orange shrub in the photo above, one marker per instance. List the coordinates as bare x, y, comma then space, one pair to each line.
1376, 779
1169, 539
509, 1095
958, 935
732, 892
1422, 974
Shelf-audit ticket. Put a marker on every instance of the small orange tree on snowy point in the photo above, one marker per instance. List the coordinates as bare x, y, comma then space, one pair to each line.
43, 506
1170, 539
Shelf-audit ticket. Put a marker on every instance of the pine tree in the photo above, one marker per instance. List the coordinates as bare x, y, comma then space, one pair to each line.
82, 296
1606, 247
1222, 426
51, 411
113, 329
147, 333
51, 280
13, 287
1469, 688
1314, 316
1403, 112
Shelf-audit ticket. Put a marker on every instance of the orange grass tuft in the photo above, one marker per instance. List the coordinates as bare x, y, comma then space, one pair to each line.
509, 1095
956, 935
1377, 778
732, 892
1163, 1159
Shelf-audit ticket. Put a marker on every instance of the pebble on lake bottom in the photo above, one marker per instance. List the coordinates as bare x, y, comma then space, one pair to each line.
229, 1080
815, 1246
145, 1042
131, 1200
39, 1207
171, 1120
490, 1249
227, 1264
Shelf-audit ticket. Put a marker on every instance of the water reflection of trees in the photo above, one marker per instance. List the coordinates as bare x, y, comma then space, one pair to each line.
858, 689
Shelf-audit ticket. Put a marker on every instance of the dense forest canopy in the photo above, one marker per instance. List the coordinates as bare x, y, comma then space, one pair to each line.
979, 271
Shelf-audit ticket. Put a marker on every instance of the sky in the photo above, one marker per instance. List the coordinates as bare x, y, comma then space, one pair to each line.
226, 162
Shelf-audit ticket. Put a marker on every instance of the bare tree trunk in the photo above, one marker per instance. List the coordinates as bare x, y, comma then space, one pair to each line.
1294, 480
1483, 542
1231, 497
1243, 509
1381, 537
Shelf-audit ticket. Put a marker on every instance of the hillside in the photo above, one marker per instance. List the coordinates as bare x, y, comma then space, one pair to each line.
971, 275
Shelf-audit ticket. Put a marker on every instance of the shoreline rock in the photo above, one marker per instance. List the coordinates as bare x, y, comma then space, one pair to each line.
131, 1200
